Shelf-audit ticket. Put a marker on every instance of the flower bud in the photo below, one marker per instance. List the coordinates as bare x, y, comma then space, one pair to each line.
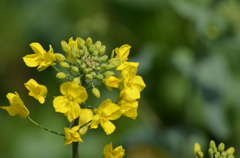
210, 152
98, 44
74, 52
77, 80
64, 65
224, 154
61, 75
80, 43
230, 151
103, 58
96, 92
86, 70
91, 48
59, 57
109, 73
212, 144
197, 147
88, 42
65, 47
102, 50
99, 76
199, 154
103, 65
112, 65
221, 147
74, 69
95, 53
89, 77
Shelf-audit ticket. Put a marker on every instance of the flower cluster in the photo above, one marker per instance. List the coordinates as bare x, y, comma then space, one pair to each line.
214, 151
84, 67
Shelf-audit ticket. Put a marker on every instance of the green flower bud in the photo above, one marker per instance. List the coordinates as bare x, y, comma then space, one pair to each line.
212, 144
230, 151
103, 65
99, 76
98, 44
74, 52
210, 152
89, 77
91, 48
74, 69
224, 154
95, 53
64, 65
103, 58
93, 74
61, 75
231, 156
96, 92
109, 73
98, 68
78, 62
221, 147
114, 60
217, 154
80, 43
65, 47
81, 52
88, 42
86, 70
83, 66
199, 154
102, 50
112, 65
77, 80
59, 57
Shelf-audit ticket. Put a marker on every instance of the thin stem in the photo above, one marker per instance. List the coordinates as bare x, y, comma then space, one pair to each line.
44, 128
75, 153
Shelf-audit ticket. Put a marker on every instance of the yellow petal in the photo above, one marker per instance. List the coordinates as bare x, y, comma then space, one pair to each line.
108, 126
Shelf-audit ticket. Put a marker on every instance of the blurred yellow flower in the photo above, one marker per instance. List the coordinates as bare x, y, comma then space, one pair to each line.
109, 152
131, 85
105, 112
69, 103
122, 52
41, 58
129, 108
72, 135
86, 115
111, 82
36, 90
16, 107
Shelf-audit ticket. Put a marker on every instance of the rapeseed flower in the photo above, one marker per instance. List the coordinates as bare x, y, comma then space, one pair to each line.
117, 152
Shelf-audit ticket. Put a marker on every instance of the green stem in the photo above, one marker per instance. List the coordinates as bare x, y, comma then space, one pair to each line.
44, 128
75, 153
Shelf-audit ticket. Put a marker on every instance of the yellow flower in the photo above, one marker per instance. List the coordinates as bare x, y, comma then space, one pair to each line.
111, 82
121, 53
72, 95
131, 85
17, 106
86, 115
105, 112
72, 135
109, 152
36, 90
129, 108
41, 58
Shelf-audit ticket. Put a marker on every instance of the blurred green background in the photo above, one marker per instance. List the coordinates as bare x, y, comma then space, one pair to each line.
189, 54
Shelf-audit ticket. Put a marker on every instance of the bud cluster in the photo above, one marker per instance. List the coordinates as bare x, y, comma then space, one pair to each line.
214, 151
86, 61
